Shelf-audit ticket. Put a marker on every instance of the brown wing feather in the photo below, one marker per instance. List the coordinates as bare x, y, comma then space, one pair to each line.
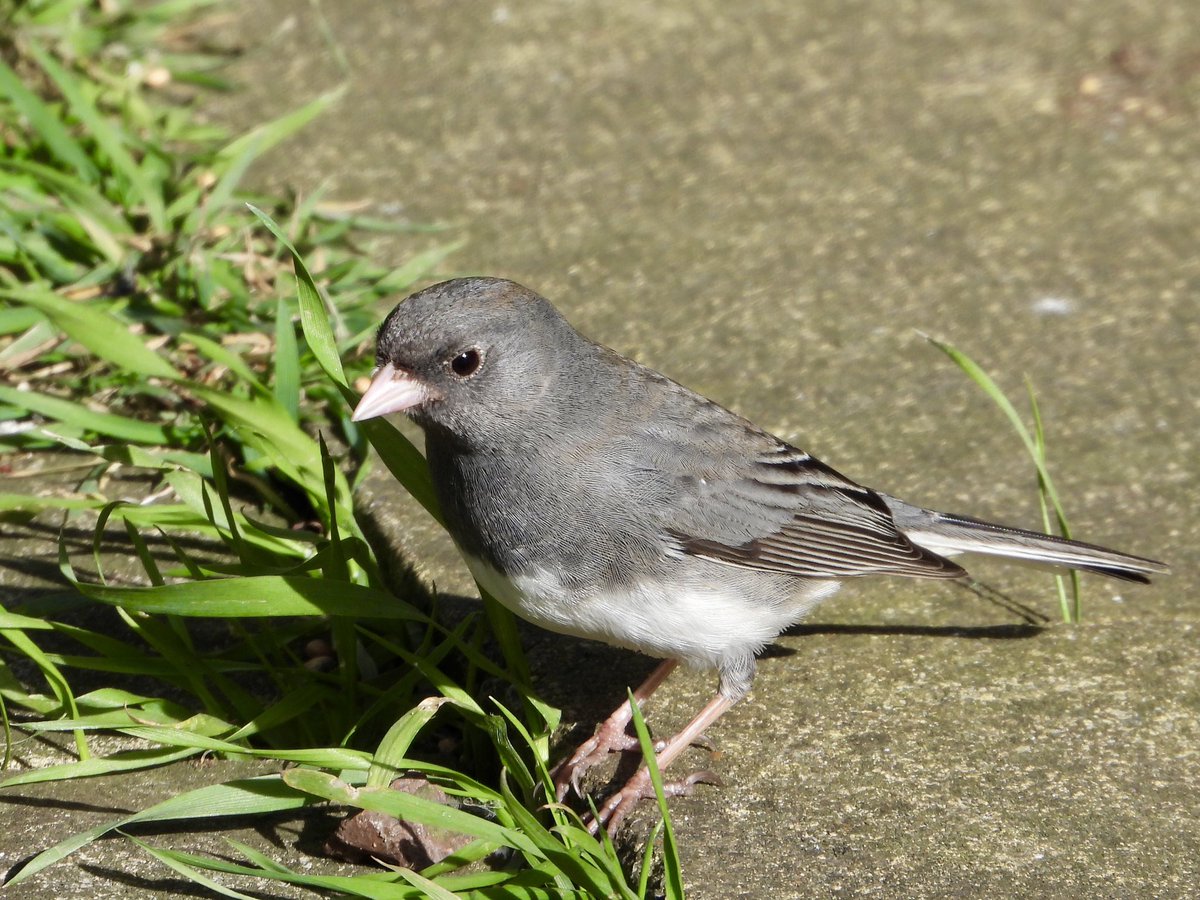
838, 529
819, 548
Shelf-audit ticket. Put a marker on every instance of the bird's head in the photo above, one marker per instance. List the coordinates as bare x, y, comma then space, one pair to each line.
473, 356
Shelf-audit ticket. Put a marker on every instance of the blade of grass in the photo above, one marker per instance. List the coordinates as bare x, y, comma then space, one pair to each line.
54, 678
287, 362
172, 861
417, 267
106, 135
1034, 446
672, 872
266, 426
105, 335
314, 312
223, 357
77, 415
578, 868
46, 124
96, 215
94, 766
267, 135
397, 452
403, 805
371, 886
1072, 608
263, 595
338, 758
398, 739
252, 796
428, 888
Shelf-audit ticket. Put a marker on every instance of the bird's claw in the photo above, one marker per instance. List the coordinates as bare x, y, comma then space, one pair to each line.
568, 774
639, 788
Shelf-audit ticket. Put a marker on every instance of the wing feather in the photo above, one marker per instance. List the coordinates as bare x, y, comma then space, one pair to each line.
830, 527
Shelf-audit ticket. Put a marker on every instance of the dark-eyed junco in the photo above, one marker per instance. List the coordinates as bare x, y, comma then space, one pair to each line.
596, 497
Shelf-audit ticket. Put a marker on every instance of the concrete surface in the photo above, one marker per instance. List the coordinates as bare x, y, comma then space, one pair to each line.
766, 201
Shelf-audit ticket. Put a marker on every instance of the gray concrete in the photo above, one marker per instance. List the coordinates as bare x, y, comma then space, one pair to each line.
766, 201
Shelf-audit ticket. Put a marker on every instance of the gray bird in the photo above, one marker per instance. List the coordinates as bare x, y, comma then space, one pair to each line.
596, 497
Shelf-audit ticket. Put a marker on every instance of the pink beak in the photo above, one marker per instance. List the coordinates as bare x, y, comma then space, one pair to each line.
391, 390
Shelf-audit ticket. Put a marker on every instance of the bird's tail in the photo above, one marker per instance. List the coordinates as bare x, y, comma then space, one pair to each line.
947, 535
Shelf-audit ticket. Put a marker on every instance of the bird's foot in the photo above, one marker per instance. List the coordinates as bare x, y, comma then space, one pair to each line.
639, 788
610, 737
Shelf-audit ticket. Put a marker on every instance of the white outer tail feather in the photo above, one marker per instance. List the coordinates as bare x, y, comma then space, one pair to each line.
950, 535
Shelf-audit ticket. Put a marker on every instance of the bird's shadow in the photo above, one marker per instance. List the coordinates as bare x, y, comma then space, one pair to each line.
587, 680
970, 632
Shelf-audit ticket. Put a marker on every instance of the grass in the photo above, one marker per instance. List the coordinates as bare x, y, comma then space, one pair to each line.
157, 319
1070, 602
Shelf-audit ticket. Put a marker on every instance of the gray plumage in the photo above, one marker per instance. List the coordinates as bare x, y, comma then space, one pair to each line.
600, 498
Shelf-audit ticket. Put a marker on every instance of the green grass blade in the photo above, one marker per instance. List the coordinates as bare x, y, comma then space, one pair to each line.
338, 758
106, 135
267, 135
173, 862
53, 676
15, 620
295, 703
430, 889
223, 357
672, 872
577, 867
395, 744
1072, 607
114, 426
403, 460
1034, 446
19, 318
336, 566
647, 867
237, 156
314, 312
70, 187
403, 805
417, 267
45, 123
514, 766
371, 886
504, 628
398, 454
105, 335
256, 596
93, 766
264, 425
539, 747
287, 362
248, 797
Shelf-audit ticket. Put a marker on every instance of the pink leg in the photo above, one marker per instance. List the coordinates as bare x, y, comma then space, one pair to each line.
638, 787
609, 737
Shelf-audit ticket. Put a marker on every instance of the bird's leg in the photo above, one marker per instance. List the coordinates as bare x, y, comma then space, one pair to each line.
610, 737
639, 787
736, 675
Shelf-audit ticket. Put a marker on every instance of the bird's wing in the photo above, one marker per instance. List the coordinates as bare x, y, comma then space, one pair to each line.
745, 498
812, 523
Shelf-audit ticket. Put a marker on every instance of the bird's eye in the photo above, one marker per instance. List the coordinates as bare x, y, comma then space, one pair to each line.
466, 363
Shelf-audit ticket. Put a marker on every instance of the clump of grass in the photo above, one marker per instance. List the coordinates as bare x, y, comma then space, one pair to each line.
1070, 603
149, 323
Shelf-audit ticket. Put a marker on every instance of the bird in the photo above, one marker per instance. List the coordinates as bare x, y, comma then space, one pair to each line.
596, 497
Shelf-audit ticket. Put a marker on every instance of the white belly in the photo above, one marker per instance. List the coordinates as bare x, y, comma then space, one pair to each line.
699, 624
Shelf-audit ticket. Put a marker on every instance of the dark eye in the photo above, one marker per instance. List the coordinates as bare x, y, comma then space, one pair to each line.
466, 363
